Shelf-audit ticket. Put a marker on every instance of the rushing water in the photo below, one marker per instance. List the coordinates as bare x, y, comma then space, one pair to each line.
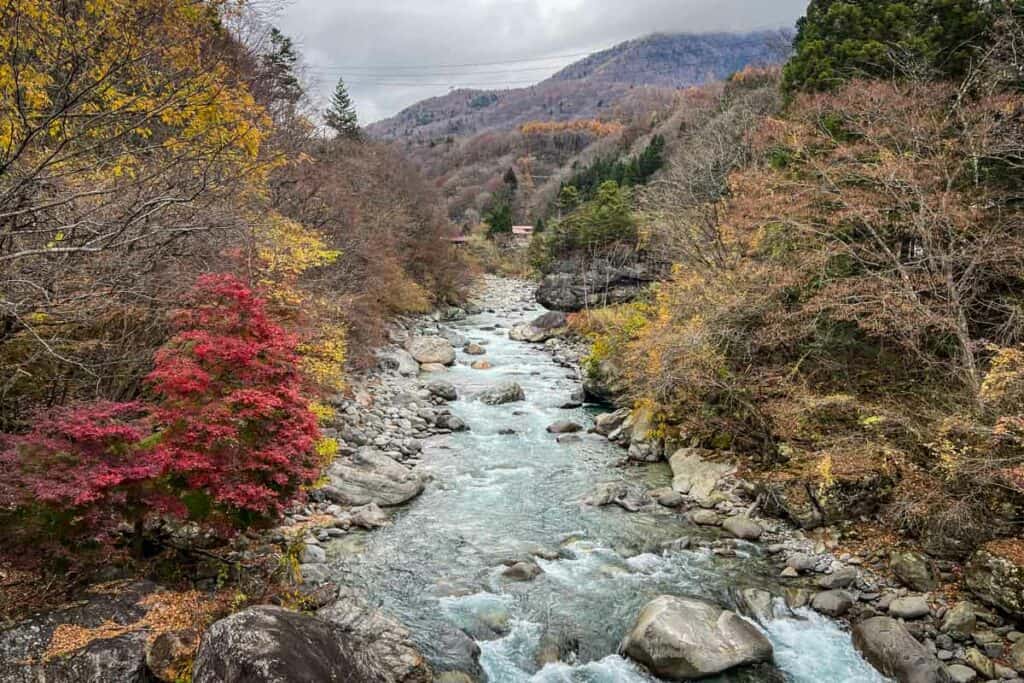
495, 497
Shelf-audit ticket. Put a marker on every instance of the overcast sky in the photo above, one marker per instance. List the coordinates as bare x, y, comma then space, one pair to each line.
393, 53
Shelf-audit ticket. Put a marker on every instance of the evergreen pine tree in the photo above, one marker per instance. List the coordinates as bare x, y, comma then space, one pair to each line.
341, 115
279, 67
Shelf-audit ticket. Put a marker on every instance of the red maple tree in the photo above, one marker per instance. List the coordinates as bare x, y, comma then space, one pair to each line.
235, 426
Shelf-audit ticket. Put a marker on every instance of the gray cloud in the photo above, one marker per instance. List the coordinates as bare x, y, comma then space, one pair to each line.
371, 43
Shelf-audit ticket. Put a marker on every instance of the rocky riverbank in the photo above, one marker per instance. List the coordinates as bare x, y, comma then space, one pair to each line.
905, 619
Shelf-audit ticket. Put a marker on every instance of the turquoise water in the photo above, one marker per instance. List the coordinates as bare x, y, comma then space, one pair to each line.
499, 497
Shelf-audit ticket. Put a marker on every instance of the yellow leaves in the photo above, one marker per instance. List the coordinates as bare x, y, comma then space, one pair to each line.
323, 358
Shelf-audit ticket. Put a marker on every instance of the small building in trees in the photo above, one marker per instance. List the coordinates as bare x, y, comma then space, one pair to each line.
522, 233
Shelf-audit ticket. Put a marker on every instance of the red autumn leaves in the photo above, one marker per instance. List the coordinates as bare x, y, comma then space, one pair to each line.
224, 423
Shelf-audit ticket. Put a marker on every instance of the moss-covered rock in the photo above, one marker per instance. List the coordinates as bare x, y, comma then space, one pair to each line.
995, 573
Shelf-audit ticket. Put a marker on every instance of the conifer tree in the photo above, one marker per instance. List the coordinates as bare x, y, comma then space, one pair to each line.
341, 115
280, 65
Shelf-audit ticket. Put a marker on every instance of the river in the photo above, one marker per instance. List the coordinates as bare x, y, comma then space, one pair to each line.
499, 496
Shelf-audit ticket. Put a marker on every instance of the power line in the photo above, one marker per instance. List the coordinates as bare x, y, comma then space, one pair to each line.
321, 71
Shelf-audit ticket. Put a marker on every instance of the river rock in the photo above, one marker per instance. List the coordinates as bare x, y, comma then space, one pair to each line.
473, 349
756, 604
962, 674
387, 645
834, 603
960, 620
910, 607
682, 639
629, 497
368, 516
743, 528
1016, 655
696, 476
564, 427
506, 392
481, 365
995, 573
667, 497
371, 477
268, 644
540, 329
890, 648
606, 423
914, 569
443, 390
451, 422
522, 571
842, 577
433, 368
705, 518
431, 350
400, 361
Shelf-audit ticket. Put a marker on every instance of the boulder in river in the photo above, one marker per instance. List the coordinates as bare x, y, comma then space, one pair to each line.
834, 603
481, 365
683, 639
743, 528
506, 392
890, 648
564, 427
540, 329
606, 423
522, 571
473, 349
695, 475
629, 497
431, 350
371, 477
442, 389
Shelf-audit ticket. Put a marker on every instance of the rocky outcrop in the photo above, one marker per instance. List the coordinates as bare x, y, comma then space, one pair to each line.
443, 390
890, 648
606, 423
995, 573
431, 349
270, 644
695, 475
371, 477
506, 392
602, 284
683, 639
119, 658
810, 503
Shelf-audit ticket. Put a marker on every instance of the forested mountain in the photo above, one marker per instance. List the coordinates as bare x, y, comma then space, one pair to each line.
593, 111
592, 87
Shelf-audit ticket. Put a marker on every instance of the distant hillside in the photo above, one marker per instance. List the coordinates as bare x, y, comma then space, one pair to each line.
589, 88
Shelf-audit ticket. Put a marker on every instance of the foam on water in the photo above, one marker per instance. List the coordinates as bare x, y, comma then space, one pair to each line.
811, 648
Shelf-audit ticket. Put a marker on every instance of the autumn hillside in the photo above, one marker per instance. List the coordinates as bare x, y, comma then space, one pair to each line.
188, 266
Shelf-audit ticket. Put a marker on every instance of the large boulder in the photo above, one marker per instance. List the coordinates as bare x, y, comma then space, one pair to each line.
629, 497
571, 288
540, 329
683, 639
442, 389
400, 361
121, 657
995, 573
388, 646
268, 644
890, 648
695, 475
431, 350
371, 477
606, 423
506, 392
